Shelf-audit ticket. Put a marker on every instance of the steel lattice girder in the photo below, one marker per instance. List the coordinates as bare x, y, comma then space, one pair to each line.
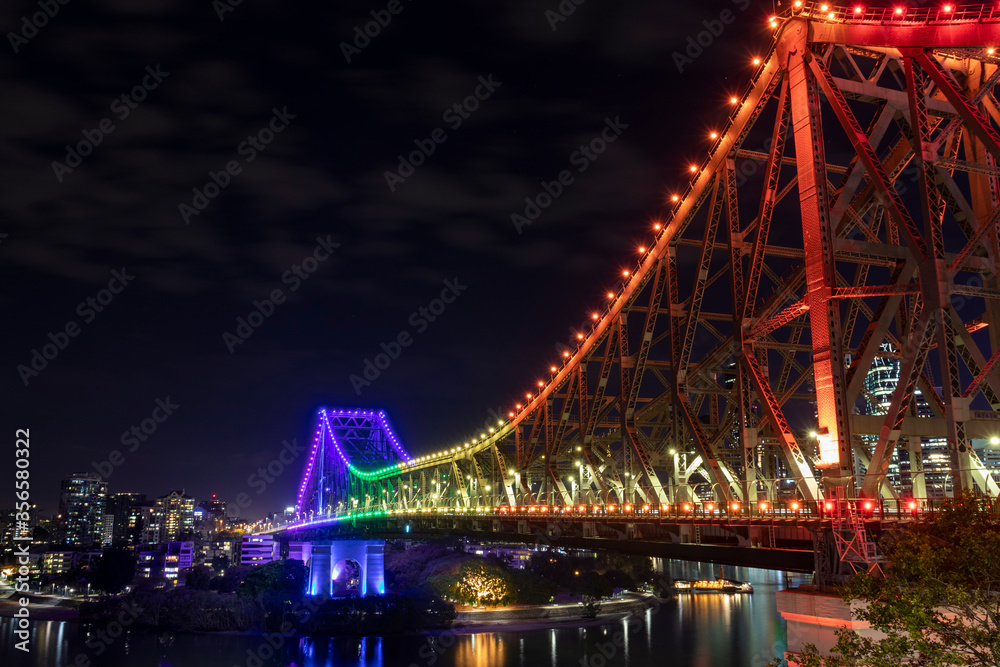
842, 263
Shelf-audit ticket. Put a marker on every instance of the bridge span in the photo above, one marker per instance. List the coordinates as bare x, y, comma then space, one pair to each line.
813, 325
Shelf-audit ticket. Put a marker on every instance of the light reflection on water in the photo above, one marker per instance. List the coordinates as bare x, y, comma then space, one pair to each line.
705, 630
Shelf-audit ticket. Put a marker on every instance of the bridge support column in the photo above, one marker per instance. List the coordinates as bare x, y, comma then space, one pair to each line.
814, 616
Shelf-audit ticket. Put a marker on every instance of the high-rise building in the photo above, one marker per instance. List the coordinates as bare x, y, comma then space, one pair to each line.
81, 509
120, 506
215, 514
145, 523
932, 471
177, 510
108, 536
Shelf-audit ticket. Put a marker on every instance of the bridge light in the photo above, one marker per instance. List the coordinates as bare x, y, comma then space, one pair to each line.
830, 16
823, 8
541, 384
611, 295
733, 100
798, 3
756, 61
995, 440
491, 429
579, 336
858, 10
499, 422
713, 135
576, 463
692, 169
710, 507
687, 507
594, 315
518, 406
763, 507
625, 273
828, 506
642, 249
735, 507
912, 505
657, 226
946, 8
674, 197
898, 11
552, 368
511, 414
487, 487
795, 506
868, 505
565, 353
528, 396
483, 435
813, 434
773, 23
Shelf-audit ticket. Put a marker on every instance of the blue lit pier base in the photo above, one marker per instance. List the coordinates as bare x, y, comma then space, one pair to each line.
323, 558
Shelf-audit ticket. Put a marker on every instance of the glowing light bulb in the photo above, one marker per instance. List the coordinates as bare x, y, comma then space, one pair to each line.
642, 248
858, 10
692, 169
579, 336
528, 396
593, 316
518, 406
798, 3
552, 368
756, 61
990, 50
541, 384
733, 100
657, 226
947, 8
823, 8
565, 354
674, 197
611, 295
625, 273
898, 11
830, 16
713, 135
511, 414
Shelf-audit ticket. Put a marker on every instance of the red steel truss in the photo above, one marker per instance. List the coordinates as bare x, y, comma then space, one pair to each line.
846, 219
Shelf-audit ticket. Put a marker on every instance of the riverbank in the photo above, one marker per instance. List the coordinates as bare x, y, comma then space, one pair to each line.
57, 609
515, 618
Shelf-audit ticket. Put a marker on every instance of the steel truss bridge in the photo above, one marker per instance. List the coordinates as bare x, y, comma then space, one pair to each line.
847, 217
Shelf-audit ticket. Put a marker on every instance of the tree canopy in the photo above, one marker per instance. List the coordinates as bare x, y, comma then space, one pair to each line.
938, 603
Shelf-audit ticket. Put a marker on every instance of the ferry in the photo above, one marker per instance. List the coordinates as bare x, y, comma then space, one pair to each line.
720, 585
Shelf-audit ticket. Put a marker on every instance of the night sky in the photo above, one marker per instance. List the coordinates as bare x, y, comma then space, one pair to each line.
308, 137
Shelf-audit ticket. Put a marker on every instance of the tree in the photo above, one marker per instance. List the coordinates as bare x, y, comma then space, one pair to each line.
199, 578
283, 580
592, 585
484, 583
115, 570
530, 588
938, 603
220, 563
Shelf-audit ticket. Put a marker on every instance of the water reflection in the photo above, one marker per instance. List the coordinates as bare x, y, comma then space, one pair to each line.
703, 629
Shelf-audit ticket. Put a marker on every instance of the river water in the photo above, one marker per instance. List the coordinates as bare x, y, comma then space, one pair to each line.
699, 630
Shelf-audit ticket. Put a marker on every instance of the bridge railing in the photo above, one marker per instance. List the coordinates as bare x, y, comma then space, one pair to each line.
903, 509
